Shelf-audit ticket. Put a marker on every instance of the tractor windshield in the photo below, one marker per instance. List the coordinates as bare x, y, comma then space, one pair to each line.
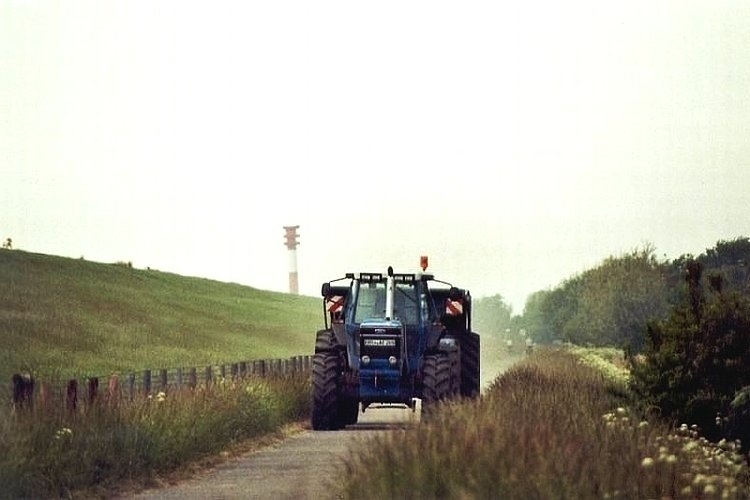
371, 303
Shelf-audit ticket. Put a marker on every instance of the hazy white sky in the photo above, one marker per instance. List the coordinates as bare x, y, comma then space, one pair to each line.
516, 144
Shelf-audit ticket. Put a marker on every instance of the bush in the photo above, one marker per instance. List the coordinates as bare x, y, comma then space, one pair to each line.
698, 359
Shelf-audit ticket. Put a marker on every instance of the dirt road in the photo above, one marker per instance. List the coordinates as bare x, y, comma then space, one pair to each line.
307, 465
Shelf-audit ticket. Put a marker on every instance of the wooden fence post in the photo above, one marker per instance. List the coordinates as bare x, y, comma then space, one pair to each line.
71, 395
235, 370
93, 390
243, 369
179, 379
208, 373
130, 385
163, 379
147, 382
193, 378
23, 390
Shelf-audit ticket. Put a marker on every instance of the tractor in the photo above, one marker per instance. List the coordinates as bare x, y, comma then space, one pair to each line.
391, 339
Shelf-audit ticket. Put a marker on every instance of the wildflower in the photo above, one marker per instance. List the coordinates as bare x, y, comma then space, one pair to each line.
709, 489
647, 463
161, 396
63, 433
671, 459
621, 412
687, 491
690, 446
642, 424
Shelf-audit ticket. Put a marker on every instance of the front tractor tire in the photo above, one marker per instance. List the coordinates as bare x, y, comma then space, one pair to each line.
436, 381
326, 383
470, 384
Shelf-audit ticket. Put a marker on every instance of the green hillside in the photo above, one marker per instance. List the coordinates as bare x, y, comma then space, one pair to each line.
67, 317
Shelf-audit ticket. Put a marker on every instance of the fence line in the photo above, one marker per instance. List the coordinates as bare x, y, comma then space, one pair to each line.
27, 392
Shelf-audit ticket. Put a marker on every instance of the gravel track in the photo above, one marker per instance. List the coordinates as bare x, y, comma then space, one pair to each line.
306, 465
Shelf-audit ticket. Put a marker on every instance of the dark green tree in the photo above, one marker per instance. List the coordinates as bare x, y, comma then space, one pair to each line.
696, 361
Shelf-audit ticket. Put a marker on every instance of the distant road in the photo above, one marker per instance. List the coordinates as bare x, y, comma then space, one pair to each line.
306, 465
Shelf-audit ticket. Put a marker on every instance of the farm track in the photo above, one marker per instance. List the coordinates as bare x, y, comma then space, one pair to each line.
306, 465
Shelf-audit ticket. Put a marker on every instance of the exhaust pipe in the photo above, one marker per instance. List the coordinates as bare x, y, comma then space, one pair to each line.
389, 292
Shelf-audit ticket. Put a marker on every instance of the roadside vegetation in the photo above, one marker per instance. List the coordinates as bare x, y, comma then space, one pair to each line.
559, 424
66, 318
98, 450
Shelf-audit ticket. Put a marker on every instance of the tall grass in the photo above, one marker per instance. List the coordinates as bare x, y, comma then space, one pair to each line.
70, 318
92, 452
552, 426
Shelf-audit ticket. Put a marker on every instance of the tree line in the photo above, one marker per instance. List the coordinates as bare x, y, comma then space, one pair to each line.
684, 325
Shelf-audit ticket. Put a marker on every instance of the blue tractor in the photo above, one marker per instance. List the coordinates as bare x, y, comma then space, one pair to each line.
391, 338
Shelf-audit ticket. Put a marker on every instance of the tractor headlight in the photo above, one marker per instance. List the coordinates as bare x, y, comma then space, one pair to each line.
365, 360
448, 342
392, 360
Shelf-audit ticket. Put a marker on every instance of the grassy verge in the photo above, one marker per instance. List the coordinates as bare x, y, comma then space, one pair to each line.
62, 317
94, 451
555, 425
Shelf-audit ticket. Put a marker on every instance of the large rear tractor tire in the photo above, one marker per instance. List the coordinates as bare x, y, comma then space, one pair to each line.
455, 360
436, 381
326, 377
324, 341
470, 365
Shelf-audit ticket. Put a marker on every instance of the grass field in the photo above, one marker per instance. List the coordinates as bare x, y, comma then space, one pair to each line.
62, 317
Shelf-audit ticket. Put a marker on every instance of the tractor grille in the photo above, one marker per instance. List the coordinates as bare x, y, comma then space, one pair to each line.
380, 343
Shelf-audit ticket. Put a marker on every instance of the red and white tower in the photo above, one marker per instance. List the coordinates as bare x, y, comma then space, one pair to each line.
291, 244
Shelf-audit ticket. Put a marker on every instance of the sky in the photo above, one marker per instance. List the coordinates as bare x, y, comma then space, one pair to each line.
516, 144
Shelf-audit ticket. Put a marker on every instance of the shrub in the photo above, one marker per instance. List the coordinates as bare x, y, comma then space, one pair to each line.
698, 359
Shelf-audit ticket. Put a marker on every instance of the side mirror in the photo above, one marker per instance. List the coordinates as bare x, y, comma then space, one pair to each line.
325, 290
